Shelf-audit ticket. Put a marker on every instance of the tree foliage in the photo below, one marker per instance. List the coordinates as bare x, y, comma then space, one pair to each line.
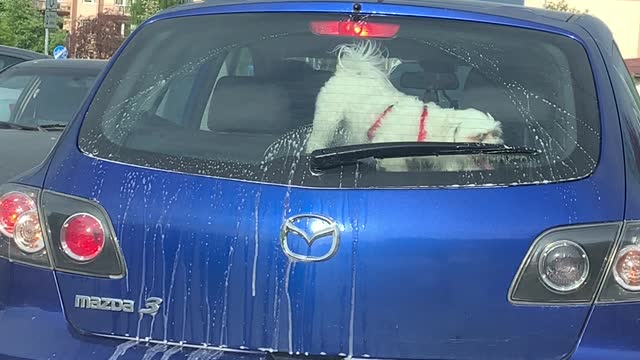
97, 37
562, 5
141, 10
22, 25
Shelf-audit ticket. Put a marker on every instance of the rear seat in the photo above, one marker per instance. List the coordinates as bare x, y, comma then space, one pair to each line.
481, 94
246, 115
303, 83
432, 86
519, 124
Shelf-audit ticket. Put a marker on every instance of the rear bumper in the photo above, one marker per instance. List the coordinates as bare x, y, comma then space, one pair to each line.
33, 326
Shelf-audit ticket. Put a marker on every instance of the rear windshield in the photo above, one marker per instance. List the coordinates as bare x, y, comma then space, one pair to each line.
251, 96
43, 96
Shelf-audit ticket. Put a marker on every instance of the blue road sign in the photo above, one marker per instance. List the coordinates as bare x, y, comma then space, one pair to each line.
60, 52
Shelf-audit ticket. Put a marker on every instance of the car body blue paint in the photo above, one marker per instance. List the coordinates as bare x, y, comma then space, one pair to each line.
172, 227
612, 329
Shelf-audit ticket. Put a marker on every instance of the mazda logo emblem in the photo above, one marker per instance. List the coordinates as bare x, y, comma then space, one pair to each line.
321, 227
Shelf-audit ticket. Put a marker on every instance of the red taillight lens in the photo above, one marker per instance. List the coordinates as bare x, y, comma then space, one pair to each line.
354, 29
82, 237
12, 205
626, 269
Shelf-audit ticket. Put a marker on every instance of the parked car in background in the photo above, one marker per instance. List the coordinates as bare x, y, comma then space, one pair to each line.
37, 99
12, 55
181, 216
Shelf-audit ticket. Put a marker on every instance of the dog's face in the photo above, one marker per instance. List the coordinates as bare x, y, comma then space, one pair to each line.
482, 129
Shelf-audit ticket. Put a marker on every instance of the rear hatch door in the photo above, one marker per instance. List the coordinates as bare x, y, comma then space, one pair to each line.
200, 168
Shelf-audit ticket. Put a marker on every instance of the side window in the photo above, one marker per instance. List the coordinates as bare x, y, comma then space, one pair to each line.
6, 61
11, 87
239, 62
174, 102
244, 65
53, 99
636, 83
624, 73
629, 103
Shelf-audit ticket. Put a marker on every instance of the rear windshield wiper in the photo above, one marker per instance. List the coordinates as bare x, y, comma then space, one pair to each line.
53, 127
14, 126
329, 158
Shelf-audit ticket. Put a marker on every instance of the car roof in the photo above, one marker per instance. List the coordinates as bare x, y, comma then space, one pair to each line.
61, 64
482, 7
21, 53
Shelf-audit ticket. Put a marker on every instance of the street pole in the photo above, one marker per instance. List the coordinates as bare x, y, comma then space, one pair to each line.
46, 41
50, 17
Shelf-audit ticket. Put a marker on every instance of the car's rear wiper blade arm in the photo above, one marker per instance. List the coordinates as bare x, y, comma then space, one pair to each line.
329, 158
14, 126
50, 127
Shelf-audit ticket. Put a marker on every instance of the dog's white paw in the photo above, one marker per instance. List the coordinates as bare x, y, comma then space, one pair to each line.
313, 144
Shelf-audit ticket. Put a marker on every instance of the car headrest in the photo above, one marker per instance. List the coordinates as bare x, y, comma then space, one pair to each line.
485, 95
439, 62
249, 105
290, 69
482, 94
428, 80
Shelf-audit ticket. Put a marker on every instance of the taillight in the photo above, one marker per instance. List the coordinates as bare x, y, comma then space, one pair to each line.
12, 205
37, 228
22, 238
565, 265
82, 237
623, 281
354, 29
76, 234
27, 234
626, 268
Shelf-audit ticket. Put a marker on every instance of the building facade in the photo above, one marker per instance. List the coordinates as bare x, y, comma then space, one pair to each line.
73, 11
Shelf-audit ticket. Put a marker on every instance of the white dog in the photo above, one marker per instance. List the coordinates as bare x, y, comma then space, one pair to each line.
360, 96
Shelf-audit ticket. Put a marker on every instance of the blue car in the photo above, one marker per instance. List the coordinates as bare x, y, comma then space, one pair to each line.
180, 214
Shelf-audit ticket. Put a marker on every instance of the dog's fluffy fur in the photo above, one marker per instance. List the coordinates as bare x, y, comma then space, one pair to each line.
360, 91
